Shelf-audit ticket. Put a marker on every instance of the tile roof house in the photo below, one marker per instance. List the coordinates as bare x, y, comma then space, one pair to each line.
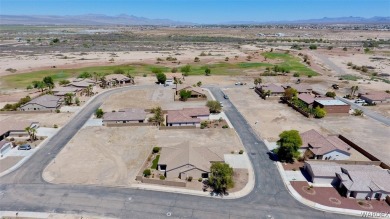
114, 79
275, 90
309, 99
316, 146
81, 83
184, 160
354, 181
12, 127
187, 116
61, 91
196, 92
42, 103
131, 115
375, 97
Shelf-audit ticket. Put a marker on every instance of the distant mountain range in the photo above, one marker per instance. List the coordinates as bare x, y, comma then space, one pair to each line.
325, 20
88, 19
124, 19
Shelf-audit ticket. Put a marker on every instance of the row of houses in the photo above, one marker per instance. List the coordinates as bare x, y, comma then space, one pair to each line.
354, 181
307, 96
182, 117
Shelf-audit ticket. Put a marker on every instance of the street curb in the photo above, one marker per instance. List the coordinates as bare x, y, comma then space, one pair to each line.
41, 215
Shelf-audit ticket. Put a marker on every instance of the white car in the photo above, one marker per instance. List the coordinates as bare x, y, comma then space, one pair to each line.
359, 101
221, 104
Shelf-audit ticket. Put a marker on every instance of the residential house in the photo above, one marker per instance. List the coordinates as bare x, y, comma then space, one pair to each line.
62, 91
125, 116
117, 79
274, 90
316, 146
196, 92
5, 146
309, 99
187, 116
185, 160
300, 88
172, 77
364, 182
42, 103
352, 181
14, 128
82, 84
333, 106
375, 97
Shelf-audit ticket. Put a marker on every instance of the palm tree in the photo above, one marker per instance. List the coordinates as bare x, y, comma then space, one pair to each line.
104, 81
68, 98
28, 130
33, 133
89, 90
353, 90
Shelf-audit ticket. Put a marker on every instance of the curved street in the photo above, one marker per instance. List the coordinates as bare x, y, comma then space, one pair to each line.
25, 190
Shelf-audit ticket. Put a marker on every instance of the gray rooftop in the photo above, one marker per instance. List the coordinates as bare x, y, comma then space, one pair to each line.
48, 101
331, 102
131, 114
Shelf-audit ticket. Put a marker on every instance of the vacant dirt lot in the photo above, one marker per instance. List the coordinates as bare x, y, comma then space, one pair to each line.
45, 119
274, 117
147, 99
103, 156
114, 156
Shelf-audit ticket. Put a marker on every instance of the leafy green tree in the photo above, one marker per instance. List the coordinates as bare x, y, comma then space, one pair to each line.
48, 82
290, 93
199, 84
214, 106
161, 78
186, 70
185, 94
319, 112
158, 116
99, 113
29, 87
40, 85
221, 177
257, 81
85, 75
330, 94
77, 101
289, 144
196, 59
207, 71
313, 46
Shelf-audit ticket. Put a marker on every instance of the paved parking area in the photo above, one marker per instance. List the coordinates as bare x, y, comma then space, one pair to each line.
49, 132
240, 161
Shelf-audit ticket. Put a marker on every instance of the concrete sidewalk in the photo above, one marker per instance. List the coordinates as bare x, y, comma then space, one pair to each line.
43, 215
317, 206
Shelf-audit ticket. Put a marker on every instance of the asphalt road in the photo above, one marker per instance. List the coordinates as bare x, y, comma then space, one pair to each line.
25, 190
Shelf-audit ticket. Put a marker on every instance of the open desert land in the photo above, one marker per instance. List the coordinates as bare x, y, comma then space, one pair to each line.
113, 156
45, 119
273, 117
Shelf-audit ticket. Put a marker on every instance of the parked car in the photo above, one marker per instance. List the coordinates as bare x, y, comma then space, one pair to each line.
24, 147
237, 83
360, 101
335, 86
225, 96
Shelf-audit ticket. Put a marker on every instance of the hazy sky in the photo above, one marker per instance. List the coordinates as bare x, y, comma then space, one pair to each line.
203, 11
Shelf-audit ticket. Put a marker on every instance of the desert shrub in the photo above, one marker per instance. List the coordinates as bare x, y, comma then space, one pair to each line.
144, 75
203, 124
225, 126
55, 126
200, 179
58, 111
119, 71
147, 172
162, 177
313, 47
241, 152
296, 75
174, 70
189, 179
156, 150
330, 94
